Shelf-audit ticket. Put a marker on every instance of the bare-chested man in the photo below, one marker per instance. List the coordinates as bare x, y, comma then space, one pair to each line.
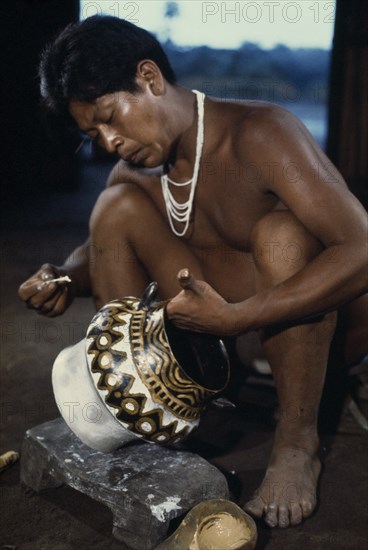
275, 240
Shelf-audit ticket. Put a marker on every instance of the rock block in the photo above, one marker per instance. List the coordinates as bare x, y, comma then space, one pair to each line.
145, 485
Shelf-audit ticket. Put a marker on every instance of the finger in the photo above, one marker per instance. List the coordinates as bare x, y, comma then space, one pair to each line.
32, 306
42, 293
60, 304
31, 286
188, 325
27, 290
50, 304
184, 277
46, 275
187, 281
47, 271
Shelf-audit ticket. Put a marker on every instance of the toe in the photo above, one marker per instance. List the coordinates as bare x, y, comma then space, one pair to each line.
283, 516
271, 515
307, 507
255, 507
296, 515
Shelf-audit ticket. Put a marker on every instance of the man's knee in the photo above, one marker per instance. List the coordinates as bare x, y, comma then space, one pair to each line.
116, 208
281, 246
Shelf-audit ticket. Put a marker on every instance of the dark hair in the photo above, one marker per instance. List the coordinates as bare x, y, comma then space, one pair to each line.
96, 57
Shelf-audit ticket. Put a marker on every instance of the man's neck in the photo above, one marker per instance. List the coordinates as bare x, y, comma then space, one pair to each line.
184, 120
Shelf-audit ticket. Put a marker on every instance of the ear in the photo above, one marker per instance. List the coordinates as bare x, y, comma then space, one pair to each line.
149, 76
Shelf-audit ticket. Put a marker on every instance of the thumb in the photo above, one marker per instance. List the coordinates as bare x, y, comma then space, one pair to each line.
187, 281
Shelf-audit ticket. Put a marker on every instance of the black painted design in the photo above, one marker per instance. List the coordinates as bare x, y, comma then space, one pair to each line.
109, 363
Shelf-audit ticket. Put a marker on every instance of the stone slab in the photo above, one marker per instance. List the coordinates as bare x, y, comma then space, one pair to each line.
144, 485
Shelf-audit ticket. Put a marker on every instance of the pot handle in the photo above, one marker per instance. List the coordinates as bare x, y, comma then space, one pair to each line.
148, 296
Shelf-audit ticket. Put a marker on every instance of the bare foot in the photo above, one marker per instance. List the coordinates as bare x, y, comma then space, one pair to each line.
287, 493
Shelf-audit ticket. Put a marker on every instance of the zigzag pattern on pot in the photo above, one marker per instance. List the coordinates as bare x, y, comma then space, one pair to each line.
129, 406
169, 386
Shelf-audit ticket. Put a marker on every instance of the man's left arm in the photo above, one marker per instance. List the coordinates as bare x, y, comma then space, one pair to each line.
309, 185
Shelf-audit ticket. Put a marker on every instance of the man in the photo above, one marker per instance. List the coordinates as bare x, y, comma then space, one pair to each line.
235, 197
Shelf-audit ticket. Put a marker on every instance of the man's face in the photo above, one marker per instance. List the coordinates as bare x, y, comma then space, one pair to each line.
127, 124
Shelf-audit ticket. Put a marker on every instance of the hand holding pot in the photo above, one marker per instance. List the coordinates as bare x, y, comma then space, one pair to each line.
198, 307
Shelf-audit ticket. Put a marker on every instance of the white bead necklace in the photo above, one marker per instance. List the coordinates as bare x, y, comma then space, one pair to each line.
181, 212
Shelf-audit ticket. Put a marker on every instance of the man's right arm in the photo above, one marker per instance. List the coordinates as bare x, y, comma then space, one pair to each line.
52, 299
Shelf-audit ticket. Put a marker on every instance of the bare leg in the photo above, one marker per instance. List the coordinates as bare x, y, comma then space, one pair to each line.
298, 357
353, 319
132, 245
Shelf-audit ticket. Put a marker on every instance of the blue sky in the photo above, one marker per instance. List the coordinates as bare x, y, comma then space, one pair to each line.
227, 24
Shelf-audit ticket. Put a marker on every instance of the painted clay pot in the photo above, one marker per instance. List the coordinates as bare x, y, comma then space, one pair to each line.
214, 525
137, 375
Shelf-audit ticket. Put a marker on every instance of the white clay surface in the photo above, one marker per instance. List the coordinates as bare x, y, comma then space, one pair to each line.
81, 406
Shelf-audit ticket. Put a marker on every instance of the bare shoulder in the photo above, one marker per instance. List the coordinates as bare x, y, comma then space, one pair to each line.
252, 115
255, 128
267, 124
280, 145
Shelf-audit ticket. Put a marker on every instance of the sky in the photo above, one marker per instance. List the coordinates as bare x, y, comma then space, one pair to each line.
299, 24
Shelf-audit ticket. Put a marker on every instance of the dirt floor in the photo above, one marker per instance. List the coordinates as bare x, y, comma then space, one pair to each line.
236, 440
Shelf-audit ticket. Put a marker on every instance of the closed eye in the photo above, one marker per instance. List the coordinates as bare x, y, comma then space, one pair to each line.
110, 118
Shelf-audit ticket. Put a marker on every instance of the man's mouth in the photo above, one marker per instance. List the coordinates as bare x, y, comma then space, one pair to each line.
132, 158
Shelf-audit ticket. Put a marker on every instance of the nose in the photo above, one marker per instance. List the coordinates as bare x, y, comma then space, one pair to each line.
110, 140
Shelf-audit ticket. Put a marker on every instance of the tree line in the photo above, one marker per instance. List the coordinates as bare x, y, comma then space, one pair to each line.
251, 72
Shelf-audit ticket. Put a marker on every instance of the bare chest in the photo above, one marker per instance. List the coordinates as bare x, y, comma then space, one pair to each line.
229, 202
226, 206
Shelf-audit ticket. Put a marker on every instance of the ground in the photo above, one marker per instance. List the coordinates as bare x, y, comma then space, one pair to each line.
236, 440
